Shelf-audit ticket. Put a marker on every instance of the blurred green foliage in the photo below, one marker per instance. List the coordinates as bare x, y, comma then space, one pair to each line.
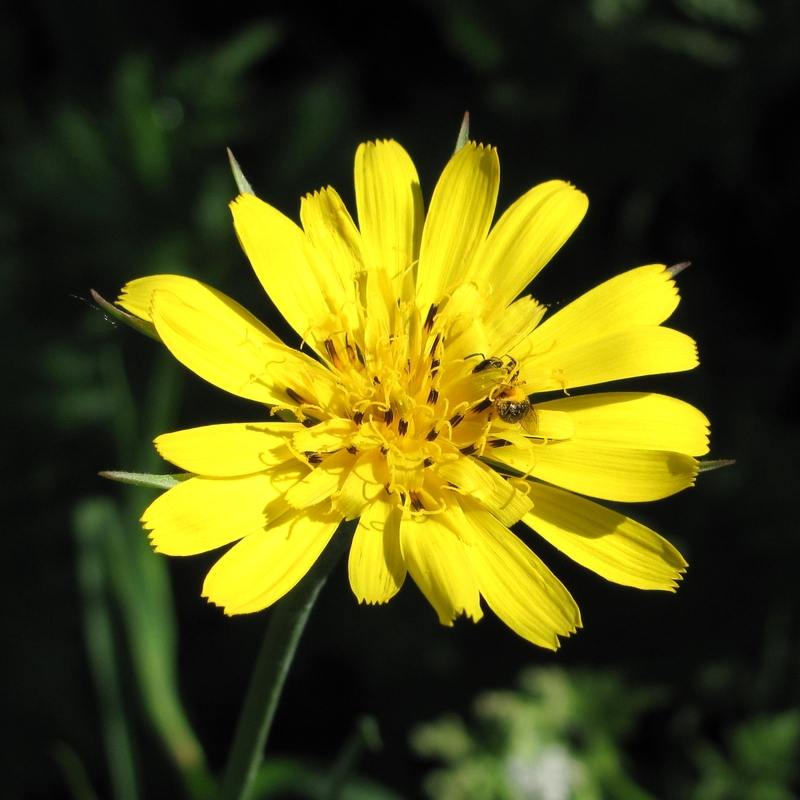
675, 116
562, 736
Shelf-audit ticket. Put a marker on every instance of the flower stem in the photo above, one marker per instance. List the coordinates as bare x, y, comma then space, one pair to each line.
289, 617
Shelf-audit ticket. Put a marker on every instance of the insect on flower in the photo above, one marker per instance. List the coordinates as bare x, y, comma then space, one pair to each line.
508, 399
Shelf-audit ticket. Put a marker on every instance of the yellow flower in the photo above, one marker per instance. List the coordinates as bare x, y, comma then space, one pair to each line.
413, 413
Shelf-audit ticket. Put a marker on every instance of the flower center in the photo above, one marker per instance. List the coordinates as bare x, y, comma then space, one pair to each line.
411, 399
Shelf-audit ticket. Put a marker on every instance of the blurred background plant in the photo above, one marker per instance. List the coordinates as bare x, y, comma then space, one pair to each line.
674, 116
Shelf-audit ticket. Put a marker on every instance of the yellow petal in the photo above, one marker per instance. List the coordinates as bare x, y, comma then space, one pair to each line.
474, 478
642, 296
262, 568
630, 353
322, 481
609, 472
516, 585
214, 340
364, 484
435, 557
505, 331
221, 451
610, 544
524, 239
137, 297
304, 288
325, 437
202, 513
333, 234
635, 419
550, 423
390, 212
376, 565
458, 220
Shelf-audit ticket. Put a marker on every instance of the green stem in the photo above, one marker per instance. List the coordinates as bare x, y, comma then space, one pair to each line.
286, 625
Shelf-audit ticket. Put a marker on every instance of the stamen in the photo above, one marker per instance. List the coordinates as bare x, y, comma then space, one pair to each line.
358, 417
435, 344
433, 397
388, 416
416, 502
330, 349
456, 419
351, 353
482, 406
431, 315
360, 355
494, 443
468, 450
427, 462
402, 427
352, 449
432, 435
312, 457
296, 397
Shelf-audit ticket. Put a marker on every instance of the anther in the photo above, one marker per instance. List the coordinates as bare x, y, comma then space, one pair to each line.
351, 353
433, 397
493, 443
351, 449
296, 397
427, 462
308, 422
432, 434
416, 503
360, 355
456, 419
358, 417
388, 416
312, 457
482, 406
402, 427
431, 315
435, 344
468, 450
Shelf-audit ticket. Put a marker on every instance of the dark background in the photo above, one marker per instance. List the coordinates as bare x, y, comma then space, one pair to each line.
674, 117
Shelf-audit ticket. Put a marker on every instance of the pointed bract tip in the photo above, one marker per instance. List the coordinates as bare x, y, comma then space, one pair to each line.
463, 134
142, 325
707, 466
676, 268
242, 184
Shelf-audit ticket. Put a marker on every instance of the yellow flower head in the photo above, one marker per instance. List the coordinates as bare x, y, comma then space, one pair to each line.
421, 412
